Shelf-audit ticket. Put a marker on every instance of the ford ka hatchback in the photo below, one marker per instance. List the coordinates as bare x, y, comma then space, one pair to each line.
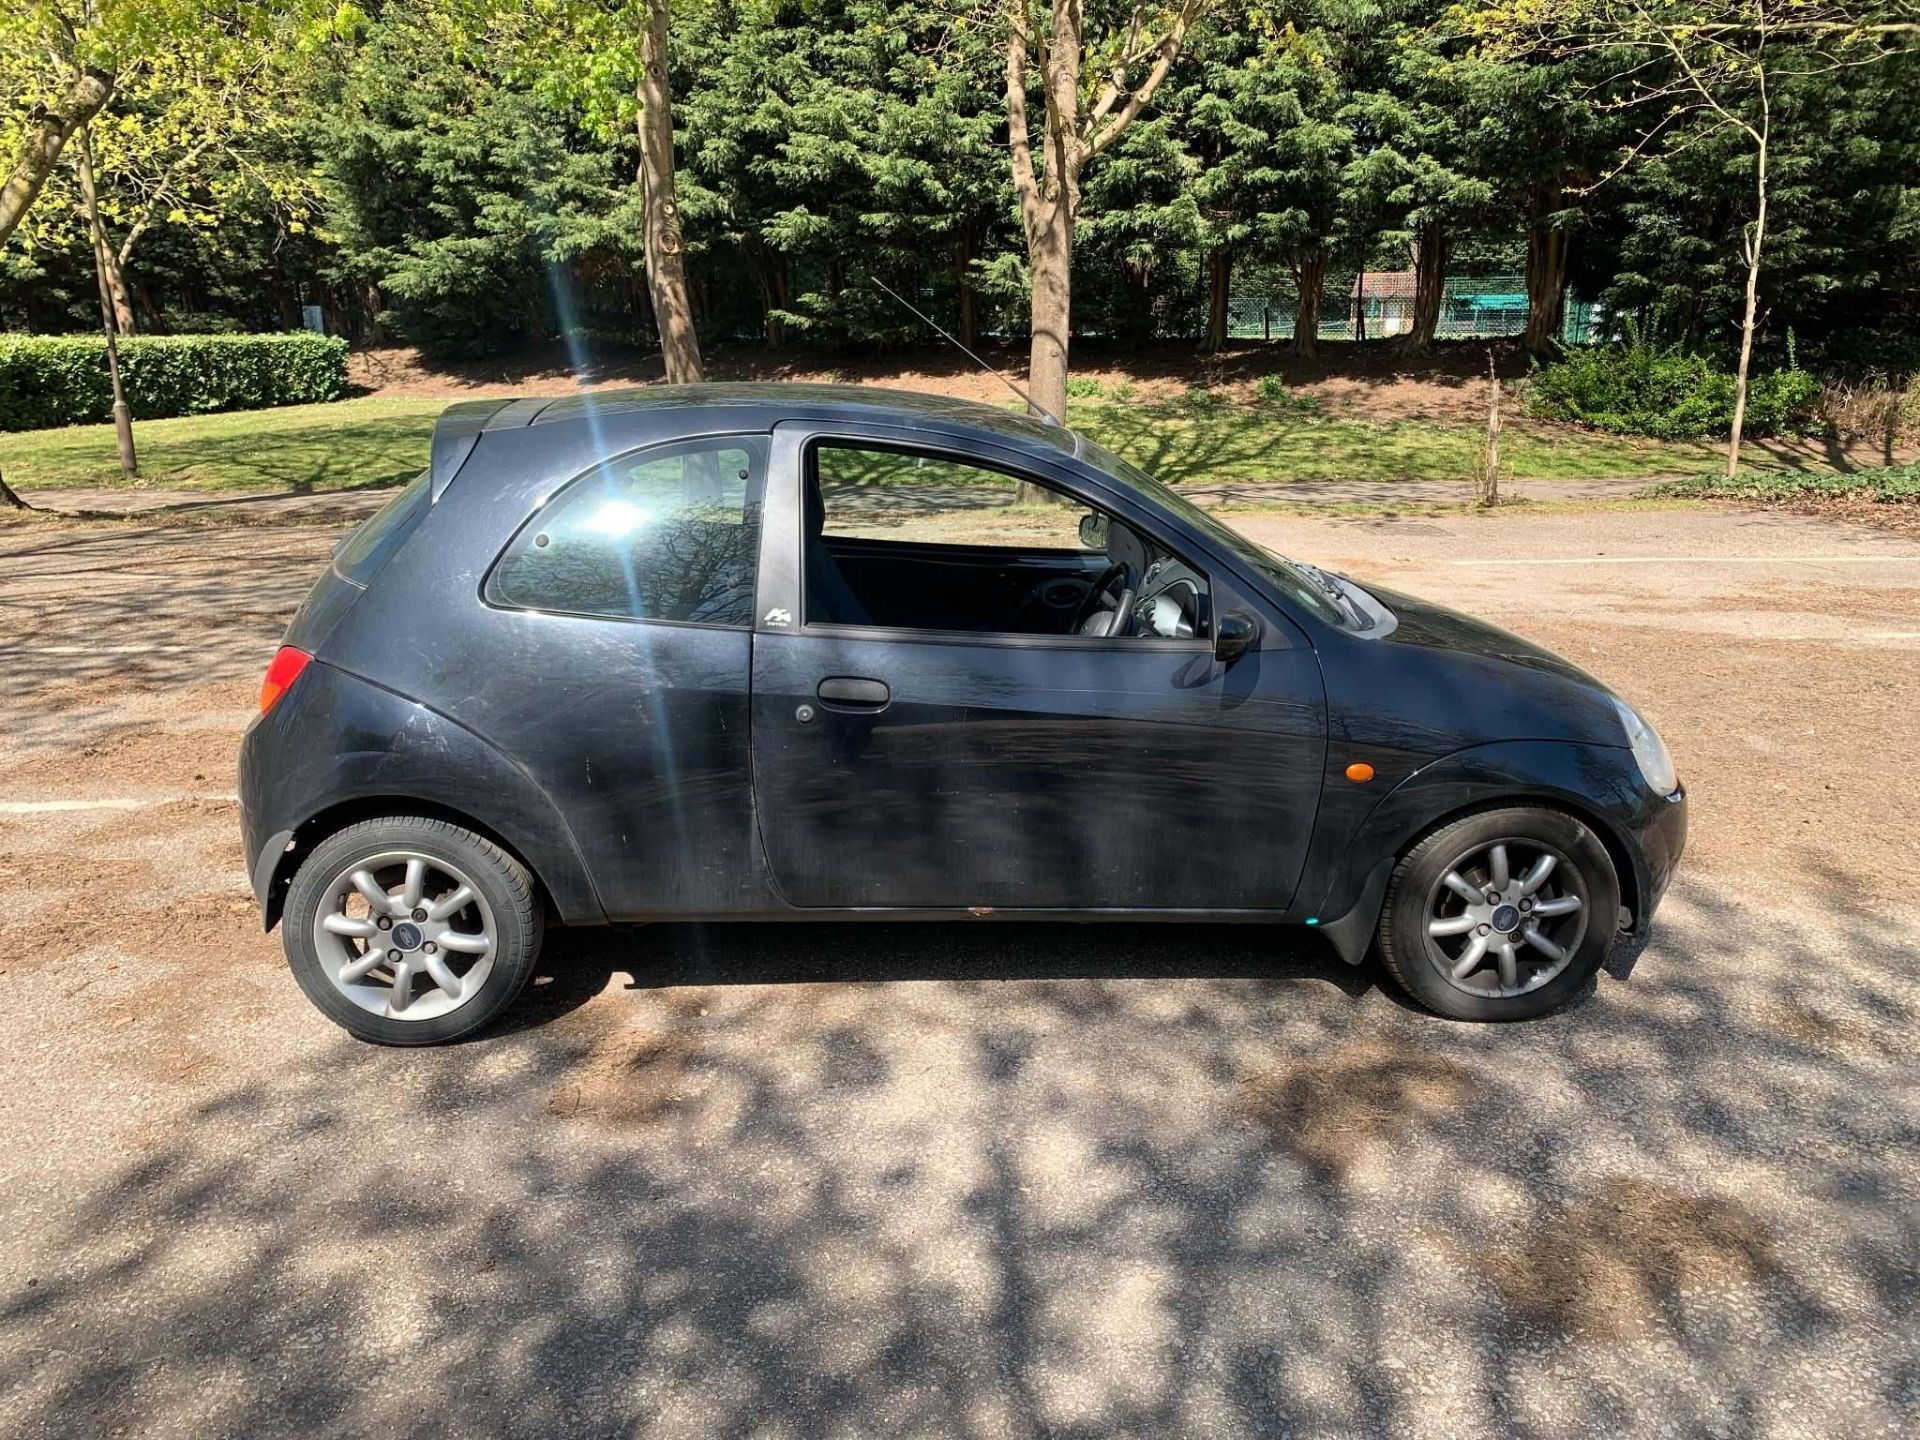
793, 652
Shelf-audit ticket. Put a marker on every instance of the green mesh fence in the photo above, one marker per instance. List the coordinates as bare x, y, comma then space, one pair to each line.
1483, 307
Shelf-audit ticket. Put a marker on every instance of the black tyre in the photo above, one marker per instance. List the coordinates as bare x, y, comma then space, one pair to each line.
1501, 915
410, 931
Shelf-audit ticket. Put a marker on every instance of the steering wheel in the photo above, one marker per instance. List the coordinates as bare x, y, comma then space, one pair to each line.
1107, 622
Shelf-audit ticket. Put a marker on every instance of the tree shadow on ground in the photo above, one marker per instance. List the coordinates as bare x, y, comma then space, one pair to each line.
1010, 1180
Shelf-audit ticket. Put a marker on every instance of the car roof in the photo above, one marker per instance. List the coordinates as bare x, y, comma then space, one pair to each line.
637, 415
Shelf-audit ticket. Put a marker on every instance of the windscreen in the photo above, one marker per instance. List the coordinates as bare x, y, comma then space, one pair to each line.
1282, 572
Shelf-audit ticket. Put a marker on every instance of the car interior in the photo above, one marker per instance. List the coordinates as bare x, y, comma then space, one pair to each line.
875, 554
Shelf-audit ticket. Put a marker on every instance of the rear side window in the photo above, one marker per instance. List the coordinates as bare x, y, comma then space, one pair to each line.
662, 534
370, 547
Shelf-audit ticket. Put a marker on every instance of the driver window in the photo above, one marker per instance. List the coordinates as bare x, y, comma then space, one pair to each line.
911, 539
907, 495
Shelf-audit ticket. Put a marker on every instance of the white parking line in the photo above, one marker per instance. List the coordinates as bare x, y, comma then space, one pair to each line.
154, 649
1697, 560
54, 807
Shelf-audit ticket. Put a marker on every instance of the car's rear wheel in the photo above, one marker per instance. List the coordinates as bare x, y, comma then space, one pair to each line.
411, 931
1502, 915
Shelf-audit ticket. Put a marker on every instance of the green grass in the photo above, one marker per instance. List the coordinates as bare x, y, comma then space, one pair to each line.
1241, 444
1889, 485
372, 442
341, 446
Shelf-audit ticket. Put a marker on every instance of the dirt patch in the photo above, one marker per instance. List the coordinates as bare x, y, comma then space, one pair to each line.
1889, 607
1617, 1263
1368, 381
634, 1073
167, 821
1901, 519
1331, 1112
1768, 735
139, 755
1835, 1035
630, 1078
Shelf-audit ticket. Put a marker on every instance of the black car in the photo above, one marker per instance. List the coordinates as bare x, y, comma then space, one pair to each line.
752, 652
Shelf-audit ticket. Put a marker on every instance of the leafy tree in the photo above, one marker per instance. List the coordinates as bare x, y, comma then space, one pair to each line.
837, 140
607, 61
458, 194
1704, 69
1124, 56
1142, 229
1433, 145
65, 62
199, 134
1270, 117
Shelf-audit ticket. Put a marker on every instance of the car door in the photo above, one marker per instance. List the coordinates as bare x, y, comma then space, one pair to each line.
948, 769
615, 670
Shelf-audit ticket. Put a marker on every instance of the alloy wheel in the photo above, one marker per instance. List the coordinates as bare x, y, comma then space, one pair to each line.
404, 935
1506, 917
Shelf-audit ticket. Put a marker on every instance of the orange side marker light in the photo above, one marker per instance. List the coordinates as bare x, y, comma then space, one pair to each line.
1359, 772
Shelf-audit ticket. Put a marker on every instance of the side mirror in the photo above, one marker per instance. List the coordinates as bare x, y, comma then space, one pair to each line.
1234, 635
1093, 531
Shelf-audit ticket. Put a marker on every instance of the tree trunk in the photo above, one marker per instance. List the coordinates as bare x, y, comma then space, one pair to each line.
115, 279
1309, 279
666, 262
1219, 290
47, 133
122, 412
1050, 258
1049, 193
1546, 270
10, 499
1490, 486
1432, 247
1756, 238
774, 297
967, 301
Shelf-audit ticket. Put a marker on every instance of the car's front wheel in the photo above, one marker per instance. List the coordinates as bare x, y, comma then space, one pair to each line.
411, 931
1500, 915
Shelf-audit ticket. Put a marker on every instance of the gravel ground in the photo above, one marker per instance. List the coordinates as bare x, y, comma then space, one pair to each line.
977, 1181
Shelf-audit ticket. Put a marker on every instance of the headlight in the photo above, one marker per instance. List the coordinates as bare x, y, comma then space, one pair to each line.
1648, 749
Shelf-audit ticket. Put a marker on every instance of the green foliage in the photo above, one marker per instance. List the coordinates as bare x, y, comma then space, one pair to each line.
346, 444
1886, 485
1642, 388
1200, 402
1272, 394
461, 173
474, 206
1084, 387
47, 381
374, 440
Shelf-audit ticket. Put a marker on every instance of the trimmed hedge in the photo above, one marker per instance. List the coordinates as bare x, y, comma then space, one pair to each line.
48, 380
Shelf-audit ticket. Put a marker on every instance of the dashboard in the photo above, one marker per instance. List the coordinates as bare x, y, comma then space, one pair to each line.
1169, 595
1171, 601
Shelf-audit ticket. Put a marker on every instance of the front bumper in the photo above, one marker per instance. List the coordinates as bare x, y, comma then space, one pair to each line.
1659, 840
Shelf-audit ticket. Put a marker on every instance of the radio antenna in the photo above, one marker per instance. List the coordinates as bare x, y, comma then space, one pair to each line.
1040, 410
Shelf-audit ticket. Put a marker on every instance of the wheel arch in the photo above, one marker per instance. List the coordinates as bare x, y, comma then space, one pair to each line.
300, 842
1584, 811
1471, 782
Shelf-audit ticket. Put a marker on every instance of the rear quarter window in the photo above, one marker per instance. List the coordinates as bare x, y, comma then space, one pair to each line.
662, 534
375, 542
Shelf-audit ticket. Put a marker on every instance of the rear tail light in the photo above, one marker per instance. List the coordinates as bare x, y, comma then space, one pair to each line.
281, 674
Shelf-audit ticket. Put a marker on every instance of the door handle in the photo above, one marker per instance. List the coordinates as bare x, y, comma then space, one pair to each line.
851, 692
